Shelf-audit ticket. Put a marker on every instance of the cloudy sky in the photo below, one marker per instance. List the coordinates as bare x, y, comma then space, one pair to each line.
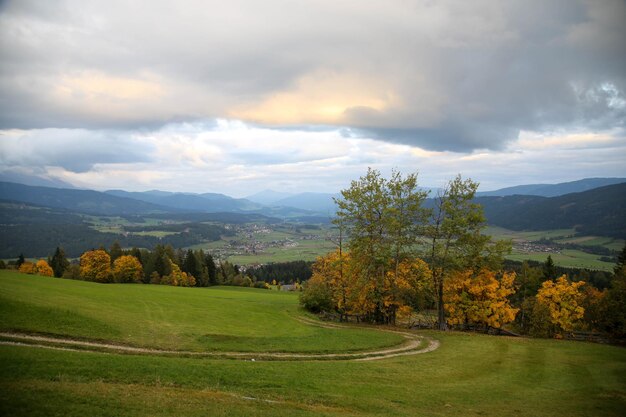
238, 96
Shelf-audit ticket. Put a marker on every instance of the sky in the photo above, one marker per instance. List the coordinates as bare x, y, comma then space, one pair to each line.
239, 96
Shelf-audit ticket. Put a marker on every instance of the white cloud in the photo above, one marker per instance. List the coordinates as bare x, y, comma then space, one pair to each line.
239, 159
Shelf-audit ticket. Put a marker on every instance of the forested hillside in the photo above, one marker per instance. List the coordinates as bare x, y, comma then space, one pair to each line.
601, 211
82, 201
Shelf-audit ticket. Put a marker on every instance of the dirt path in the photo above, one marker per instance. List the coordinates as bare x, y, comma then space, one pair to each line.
413, 345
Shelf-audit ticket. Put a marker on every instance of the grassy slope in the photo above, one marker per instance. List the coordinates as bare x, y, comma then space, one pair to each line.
468, 375
223, 318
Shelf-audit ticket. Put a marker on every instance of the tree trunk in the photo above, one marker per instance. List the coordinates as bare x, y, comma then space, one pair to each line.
441, 319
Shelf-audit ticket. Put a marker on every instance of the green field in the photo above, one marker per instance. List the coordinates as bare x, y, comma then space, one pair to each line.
196, 319
572, 258
467, 375
569, 258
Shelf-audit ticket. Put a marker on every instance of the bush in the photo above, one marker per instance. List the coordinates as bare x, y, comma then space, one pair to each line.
316, 296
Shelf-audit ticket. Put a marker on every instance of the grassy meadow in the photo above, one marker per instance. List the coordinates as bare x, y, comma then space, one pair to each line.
164, 317
469, 375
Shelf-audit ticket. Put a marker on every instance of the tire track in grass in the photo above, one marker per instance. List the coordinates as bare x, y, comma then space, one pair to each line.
413, 345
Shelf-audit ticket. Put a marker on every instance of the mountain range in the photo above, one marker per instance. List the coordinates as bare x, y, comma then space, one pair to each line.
599, 210
553, 190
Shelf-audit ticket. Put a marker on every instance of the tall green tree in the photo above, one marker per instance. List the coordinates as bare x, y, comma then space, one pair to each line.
193, 264
115, 251
211, 269
455, 238
549, 269
383, 220
59, 262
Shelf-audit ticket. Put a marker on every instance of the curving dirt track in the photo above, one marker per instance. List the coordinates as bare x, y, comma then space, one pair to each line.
413, 345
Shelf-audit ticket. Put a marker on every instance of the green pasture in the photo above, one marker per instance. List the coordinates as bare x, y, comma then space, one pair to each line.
469, 375
306, 250
198, 319
570, 258
502, 233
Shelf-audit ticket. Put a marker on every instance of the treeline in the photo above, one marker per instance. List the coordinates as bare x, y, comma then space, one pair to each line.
599, 279
161, 265
401, 260
283, 272
41, 239
551, 302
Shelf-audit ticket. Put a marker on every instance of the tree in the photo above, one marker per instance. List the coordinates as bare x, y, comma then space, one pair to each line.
115, 251
20, 260
549, 269
27, 268
331, 270
178, 277
479, 298
614, 302
383, 219
211, 269
193, 265
455, 239
127, 268
158, 261
563, 301
42, 268
527, 283
59, 262
317, 295
408, 287
95, 266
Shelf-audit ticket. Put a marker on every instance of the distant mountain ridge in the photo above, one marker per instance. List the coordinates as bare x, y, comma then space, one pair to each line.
553, 190
319, 202
267, 197
81, 201
207, 202
600, 211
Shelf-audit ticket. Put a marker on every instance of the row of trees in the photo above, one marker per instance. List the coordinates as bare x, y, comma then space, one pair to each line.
395, 242
162, 265
398, 253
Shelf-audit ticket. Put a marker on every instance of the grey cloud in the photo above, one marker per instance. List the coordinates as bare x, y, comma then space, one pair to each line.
75, 150
467, 75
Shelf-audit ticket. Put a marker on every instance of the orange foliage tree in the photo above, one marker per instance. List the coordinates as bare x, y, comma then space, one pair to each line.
27, 268
339, 284
95, 266
563, 301
178, 278
479, 298
405, 285
127, 268
42, 268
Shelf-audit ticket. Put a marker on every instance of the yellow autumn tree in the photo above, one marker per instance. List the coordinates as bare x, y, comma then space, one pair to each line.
42, 268
404, 286
27, 268
127, 268
178, 278
479, 298
339, 283
334, 269
95, 266
563, 300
